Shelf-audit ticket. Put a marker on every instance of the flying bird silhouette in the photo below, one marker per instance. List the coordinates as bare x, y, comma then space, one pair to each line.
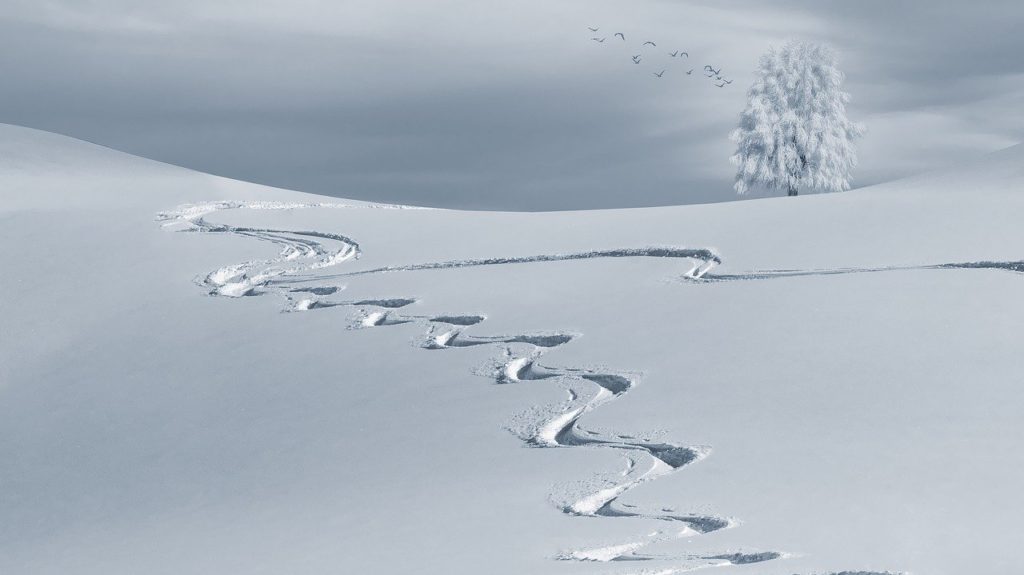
724, 81
687, 54
621, 35
659, 74
711, 71
598, 39
649, 42
593, 29
720, 84
674, 54
690, 71
636, 59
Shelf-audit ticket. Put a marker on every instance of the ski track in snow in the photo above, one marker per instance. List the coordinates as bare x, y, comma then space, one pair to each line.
1016, 267
586, 388
704, 259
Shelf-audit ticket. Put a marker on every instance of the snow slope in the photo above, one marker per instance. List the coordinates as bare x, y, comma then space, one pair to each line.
826, 384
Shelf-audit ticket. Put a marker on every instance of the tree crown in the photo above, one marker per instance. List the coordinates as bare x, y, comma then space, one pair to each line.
794, 133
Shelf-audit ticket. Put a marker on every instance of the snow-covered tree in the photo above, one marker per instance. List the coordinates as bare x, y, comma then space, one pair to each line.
794, 134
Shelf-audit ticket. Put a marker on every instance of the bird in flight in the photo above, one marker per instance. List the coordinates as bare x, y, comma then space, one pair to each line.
659, 74
674, 54
720, 84
592, 29
598, 39
690, 71
711, 71
636, 59
724, 81
621, 35
649, 42
687, 54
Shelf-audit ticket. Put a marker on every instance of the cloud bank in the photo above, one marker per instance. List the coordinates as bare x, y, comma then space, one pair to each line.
496, 105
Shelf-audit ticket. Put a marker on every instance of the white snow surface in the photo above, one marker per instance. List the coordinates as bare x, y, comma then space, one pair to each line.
457, 392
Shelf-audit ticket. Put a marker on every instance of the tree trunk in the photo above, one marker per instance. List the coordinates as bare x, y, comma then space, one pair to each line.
792, 192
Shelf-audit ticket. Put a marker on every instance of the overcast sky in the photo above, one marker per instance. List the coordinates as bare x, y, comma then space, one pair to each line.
496, 105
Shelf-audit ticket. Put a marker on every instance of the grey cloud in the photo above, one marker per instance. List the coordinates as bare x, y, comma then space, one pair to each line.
493, 105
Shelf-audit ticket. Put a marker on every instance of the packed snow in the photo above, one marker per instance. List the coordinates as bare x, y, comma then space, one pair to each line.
812, 385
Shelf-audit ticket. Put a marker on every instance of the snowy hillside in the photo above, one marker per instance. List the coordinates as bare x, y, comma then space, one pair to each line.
200, 375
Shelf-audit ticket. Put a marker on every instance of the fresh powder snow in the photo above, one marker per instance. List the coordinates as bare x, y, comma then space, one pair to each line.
201, 375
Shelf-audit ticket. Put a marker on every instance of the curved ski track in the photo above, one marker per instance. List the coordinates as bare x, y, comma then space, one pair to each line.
587, 388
